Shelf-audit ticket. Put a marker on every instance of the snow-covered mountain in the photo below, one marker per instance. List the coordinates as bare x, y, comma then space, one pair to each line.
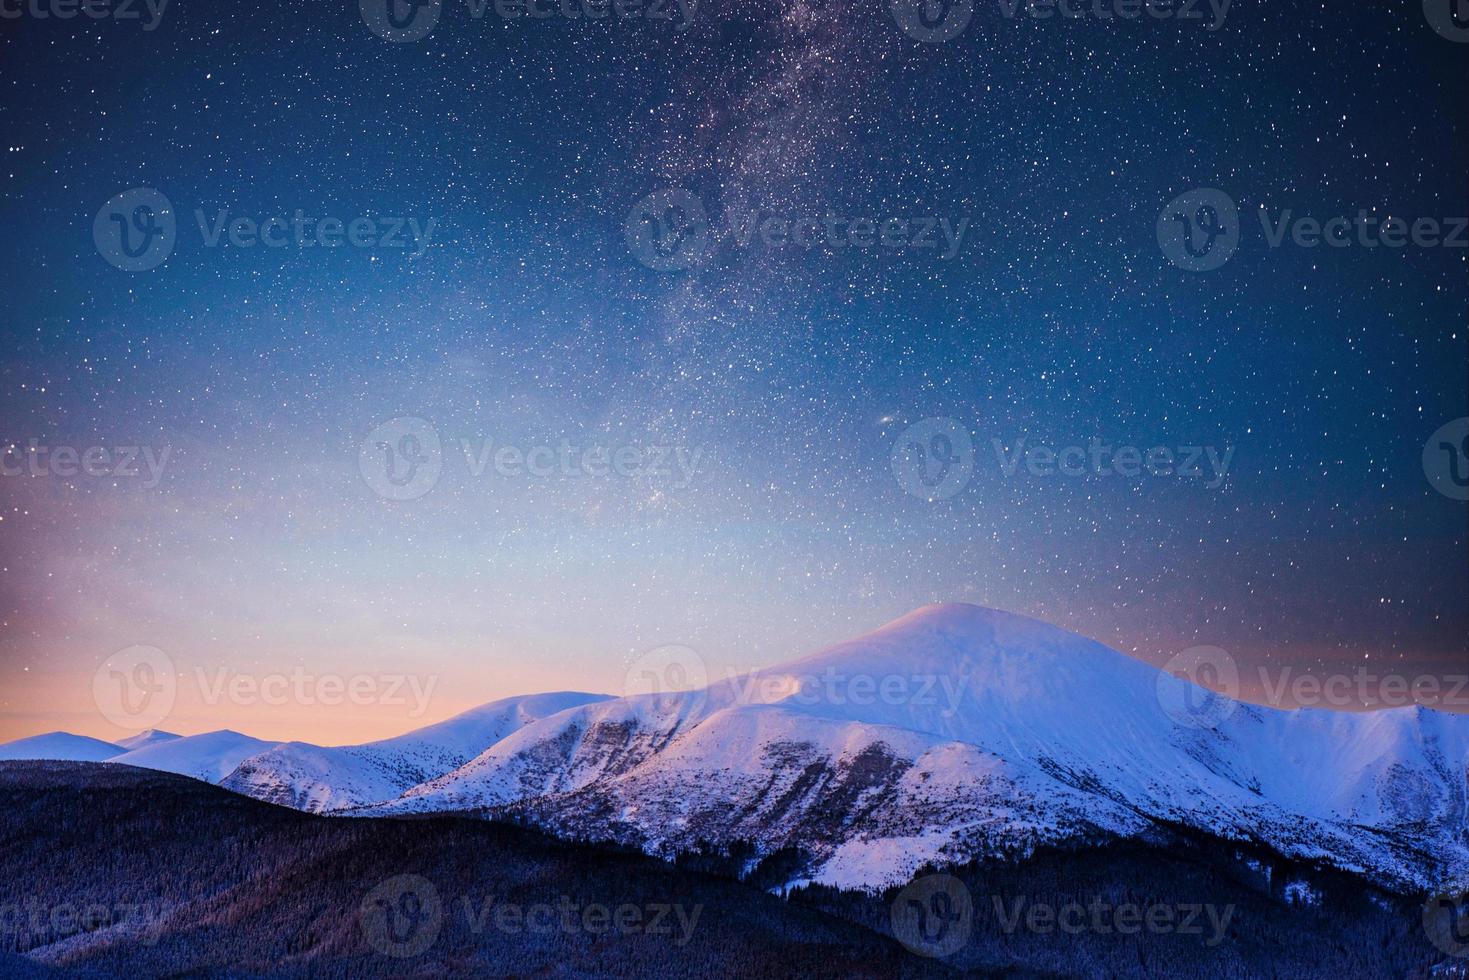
958, 732
209, 757
953, 733
319, 779
144, 739
59, 747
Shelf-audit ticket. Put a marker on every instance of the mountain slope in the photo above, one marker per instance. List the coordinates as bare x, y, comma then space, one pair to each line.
249, 889
60, 746
318, 779
209, 757
959, 732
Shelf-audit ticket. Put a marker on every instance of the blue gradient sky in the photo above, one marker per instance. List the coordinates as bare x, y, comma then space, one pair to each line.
262, 549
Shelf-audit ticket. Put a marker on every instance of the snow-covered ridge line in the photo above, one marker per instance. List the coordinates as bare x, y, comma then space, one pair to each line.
1028, 734
952, 733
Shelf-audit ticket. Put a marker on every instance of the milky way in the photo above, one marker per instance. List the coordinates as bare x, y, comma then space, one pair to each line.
1020, 297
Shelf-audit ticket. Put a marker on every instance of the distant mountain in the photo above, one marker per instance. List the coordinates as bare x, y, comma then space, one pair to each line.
209, 757
318, 779
144, 739
60, 746
958, 733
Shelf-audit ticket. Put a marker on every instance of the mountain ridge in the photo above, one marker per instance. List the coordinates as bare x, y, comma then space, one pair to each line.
951, 734
1052, 736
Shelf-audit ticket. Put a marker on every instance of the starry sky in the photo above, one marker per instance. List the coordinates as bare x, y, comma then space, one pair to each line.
790, 372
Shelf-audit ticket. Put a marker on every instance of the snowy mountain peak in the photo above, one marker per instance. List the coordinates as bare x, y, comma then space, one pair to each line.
952, 733
958, 731
320, 779
152, 736
210, 756
59, 747
960, 616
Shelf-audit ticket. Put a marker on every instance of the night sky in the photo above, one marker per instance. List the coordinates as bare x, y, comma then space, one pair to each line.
789, 371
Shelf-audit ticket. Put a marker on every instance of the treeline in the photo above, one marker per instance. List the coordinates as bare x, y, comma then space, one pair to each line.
1352, 931
241, 887
252, 889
